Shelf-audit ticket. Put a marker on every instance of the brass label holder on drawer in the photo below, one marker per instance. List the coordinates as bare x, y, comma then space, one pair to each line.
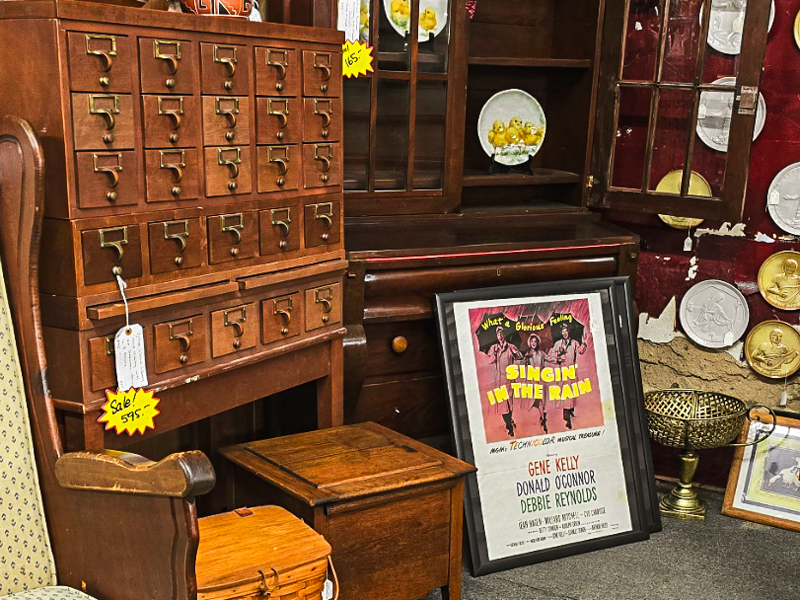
106, 113
183, 338
324, 211
179, 236
235, 229
283, 115
323, 158
278, 220
171, 59
281, 161
231, 163
327, 305
174, 114
176, 167
229, 112
278, 64
110, 170
324, 112
107, 56
238, 325
228, 61
283, 307
117, 245
324, 64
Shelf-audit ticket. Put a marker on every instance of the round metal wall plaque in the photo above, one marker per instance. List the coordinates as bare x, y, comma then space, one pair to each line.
714, 115
779, 281
714, 314
783, 199
727, 24
772, 349
671, 184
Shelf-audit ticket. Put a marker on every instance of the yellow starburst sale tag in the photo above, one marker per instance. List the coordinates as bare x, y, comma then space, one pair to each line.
129, 411
356, 59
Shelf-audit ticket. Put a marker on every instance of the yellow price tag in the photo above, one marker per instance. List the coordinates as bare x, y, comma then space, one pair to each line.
356, 59
129, 411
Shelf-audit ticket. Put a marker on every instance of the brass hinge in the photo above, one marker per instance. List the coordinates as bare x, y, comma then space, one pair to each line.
748, 97
589, 182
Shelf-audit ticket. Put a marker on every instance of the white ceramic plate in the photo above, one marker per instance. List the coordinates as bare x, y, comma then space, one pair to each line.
714, 314
400, 22
511, 126
714, 116
783, 199
727, 22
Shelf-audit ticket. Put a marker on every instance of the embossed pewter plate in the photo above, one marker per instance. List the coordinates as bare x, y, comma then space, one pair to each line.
714, 116
772, 349
783, 199
727, 24
779, 281
714, 314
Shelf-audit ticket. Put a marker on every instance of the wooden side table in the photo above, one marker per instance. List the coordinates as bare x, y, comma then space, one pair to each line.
390, 507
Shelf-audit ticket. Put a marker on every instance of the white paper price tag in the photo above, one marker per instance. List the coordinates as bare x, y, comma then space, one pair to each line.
687, 244
327, 593
701, 112
728, 339
350, 19
129, 358
774, 197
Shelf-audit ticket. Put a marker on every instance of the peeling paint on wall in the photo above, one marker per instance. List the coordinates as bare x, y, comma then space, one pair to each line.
725, 230
661, 329
764, 238
692, 269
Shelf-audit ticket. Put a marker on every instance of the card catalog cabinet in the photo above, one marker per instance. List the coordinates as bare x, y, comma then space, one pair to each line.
199, 159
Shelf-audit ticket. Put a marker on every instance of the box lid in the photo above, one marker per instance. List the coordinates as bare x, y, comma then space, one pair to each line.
345, 462
235, 546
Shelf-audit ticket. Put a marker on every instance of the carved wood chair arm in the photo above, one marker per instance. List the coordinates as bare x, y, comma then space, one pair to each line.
179, 475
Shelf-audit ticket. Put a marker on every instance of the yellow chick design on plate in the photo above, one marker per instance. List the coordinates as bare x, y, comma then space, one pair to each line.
427, 20
514, 131
364, 23
531, 135
400, 12
497, 135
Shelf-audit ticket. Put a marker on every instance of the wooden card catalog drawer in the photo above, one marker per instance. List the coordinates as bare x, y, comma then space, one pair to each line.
102, 121
107, 178
278, 121
226, 120
232, 237
110, 248
278, 168
281, 317
322, 73
225, 68
280, 229
101, 363
168, 66
179, 343
322, 120
99, 62
233, 329
228, 171
171, 174
323, 306
322, 223
277, 71
176, 245
170, 121
321, 165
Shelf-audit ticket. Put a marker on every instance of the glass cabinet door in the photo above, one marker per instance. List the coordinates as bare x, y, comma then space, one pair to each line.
678, 105
396, 118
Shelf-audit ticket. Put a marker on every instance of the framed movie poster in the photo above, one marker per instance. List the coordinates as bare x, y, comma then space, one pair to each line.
764, 484
546, 401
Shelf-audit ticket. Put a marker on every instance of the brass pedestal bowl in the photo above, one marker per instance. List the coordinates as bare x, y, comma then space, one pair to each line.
695, 420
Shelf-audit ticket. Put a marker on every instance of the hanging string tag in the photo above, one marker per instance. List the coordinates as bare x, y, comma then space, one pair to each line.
687, 243
129, 350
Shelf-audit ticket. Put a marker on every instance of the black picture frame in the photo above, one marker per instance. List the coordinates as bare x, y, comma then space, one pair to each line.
476, 431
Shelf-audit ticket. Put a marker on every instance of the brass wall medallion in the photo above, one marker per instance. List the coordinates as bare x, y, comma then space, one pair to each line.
773, 349
671, 184
779, 281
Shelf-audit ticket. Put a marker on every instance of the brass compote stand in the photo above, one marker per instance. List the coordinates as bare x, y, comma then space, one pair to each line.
695, 420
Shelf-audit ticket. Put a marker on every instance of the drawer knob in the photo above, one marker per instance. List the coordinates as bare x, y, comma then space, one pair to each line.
230, 135
325, 178
184, 359
325, 133
325, 318
232, 185
280, 135
237, 344
111, 196
325, 236
280, 181
170, 83
282, 244
279, 86
178, 261
399, 344
228, 85
234, 252
173, 137
104, 81
323, 87
284, 330
108, 138
175, 191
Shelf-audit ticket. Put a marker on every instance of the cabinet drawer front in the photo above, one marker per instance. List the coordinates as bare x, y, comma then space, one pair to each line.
102, 121
107, 179
277, 71
401, 347
176, 245
278, 121
323, 306
170, 121
171, 174
280, 229
179, 343
101, 363
226, 120
104, 249
225, 68
322, 73
228, 171
99, 62
322, 223
168, 66
232, 237
233, 329
321, 165
278, 168
281, 317
322, 120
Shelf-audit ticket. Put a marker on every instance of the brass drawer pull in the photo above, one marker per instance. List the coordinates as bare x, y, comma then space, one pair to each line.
278, 64
108, 112
324, 211
235, 229
327, 305
178, 236
283, 307
174, 114
112, 171
281, 161
117, 245
107, 56
324, 112
325, 67
176, 166
171, 59
278, 220
238, 325
326, 160
283, 115
110, 345
228, 61
183, 338
229, 112
399, 344
231, 163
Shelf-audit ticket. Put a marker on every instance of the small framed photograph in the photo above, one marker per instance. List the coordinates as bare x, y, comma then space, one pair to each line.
764, 484
546, 401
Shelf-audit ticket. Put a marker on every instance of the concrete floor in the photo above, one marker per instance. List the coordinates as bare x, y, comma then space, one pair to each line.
720, 559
